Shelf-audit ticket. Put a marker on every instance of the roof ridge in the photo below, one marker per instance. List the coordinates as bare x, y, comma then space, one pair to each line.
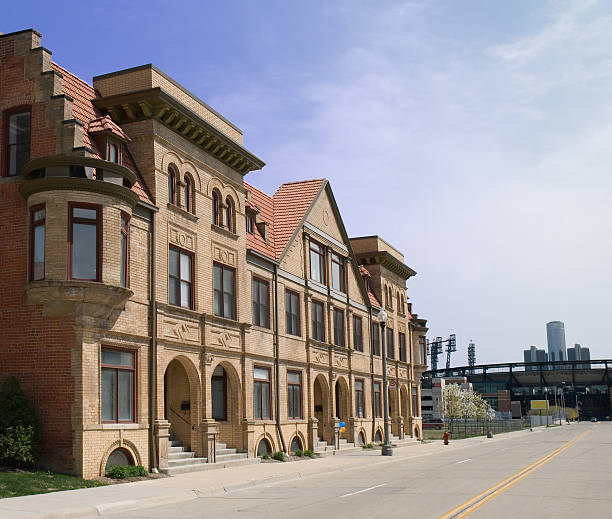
300, 182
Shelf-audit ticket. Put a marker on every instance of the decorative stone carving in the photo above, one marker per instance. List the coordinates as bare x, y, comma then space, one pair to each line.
403, 373
181, 238
208, 358
401, 327
224, 255
183, 331
319, 357
225, 339
341, 362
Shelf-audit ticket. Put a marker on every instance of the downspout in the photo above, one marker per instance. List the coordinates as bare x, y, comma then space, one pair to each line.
277, 361
153, 348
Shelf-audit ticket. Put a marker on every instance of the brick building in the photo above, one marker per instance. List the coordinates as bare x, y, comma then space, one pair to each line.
153, 298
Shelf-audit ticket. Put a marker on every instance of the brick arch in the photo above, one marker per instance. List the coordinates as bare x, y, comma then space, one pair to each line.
171, 158
300, 437
321, 396
267, 437
214, 183
380, 431
128, 446
404, 401
189, 168
361, 433
234, 391
229, 190
342, 399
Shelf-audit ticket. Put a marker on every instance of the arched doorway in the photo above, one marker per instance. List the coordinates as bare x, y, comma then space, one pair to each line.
342, 400
177, 402
225, 402
321, 405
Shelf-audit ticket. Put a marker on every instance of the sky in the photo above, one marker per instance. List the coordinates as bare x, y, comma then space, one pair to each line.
475, 136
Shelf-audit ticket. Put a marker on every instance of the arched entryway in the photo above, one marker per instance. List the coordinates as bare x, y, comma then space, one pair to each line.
321, 405
225, 404
393, 409
178, 403
342, 403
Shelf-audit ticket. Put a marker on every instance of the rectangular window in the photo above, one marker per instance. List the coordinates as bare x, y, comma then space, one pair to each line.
402, 347
359, 406
17, 142
261, 393
338, 327
390, 345
125, 250
224, 291
375, 339
422, 350
357, 333
337, 271
294, 395
415, 402
292, 313
180, 275
318, 321
377, 401
37, 242
84, 242
118, 386
250, 224
317, 262
113, 153
261, 302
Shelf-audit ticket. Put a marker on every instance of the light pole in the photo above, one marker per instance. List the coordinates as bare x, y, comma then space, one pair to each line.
387, 449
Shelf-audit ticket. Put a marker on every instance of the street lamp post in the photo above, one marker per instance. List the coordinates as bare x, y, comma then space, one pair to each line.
387, 449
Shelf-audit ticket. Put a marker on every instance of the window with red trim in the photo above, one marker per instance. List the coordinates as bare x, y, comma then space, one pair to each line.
215, 208
224, 291
317, 262
171, 186
113, 153
229, 214
180, 276
37, 242
188, 194
359, 401
118, 392
85, 241
294, 395
261, 393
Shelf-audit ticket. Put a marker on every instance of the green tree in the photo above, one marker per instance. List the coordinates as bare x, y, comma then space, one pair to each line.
20, 432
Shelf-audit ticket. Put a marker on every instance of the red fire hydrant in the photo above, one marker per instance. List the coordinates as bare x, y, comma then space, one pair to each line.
446, 437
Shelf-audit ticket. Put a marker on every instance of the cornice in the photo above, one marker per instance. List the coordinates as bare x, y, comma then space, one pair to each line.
156, 103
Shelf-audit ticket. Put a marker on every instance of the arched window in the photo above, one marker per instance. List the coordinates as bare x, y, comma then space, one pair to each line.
296, 444
188, 194
263, 448
171, 185
215, 208
229, 214
399, 303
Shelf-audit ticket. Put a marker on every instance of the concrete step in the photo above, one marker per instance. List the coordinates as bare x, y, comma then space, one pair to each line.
175, 443
221, 452
186, 462
177, 449
173, 471
181, 455
230, 457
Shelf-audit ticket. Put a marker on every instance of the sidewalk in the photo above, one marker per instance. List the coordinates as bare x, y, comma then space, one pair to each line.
126, 497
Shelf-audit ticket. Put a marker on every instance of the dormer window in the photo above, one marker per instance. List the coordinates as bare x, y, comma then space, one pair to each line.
250, 223
113, 153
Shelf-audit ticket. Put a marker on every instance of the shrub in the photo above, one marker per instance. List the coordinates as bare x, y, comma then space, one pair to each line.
279, 456
19, 426
367, 446
299, 453
126, 471
309, 453
266, 456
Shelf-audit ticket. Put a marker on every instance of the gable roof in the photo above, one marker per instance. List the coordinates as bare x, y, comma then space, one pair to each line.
83, 109
263, 204
291, 204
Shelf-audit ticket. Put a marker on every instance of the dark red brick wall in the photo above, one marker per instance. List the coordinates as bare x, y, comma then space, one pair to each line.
34, 348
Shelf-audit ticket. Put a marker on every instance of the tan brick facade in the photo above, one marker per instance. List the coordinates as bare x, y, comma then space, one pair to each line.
184, 355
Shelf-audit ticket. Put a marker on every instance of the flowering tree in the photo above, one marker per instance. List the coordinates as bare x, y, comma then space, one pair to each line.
464, 403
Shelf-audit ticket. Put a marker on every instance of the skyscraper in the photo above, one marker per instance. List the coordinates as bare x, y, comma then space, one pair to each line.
579, 353
555, 334
534, 354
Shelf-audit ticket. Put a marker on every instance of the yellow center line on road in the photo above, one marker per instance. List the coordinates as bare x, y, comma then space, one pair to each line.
473, 504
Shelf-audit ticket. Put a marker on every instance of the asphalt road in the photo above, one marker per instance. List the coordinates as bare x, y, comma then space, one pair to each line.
562, 472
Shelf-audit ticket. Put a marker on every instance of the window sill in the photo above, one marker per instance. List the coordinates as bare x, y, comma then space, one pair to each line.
114, 426
223, 231
183, 212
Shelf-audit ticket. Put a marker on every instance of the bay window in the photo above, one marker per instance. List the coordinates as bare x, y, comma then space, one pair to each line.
37, 242
84, 242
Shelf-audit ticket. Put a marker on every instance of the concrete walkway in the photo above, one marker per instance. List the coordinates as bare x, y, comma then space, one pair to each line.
112, 499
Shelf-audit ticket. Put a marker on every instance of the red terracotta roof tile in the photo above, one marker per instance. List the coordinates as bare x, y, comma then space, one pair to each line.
291, 202
373, 299
265, 207
106, 124
84, 110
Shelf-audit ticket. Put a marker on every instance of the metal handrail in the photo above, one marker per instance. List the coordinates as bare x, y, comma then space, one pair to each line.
182, 418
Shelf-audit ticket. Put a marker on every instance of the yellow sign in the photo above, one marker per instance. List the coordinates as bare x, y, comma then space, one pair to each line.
539, 404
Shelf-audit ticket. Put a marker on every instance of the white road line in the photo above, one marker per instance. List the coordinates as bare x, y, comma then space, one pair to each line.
469, 459
364, 490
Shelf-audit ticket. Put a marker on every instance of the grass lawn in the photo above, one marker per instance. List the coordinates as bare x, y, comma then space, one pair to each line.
22, 483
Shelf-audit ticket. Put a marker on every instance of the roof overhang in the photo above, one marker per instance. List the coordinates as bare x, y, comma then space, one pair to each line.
158, 104
388, 261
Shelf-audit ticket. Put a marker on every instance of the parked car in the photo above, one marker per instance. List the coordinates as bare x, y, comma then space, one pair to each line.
433, 423
593, 419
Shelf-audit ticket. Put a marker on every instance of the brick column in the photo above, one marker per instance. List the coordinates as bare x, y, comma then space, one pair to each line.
248, 437
313, 432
